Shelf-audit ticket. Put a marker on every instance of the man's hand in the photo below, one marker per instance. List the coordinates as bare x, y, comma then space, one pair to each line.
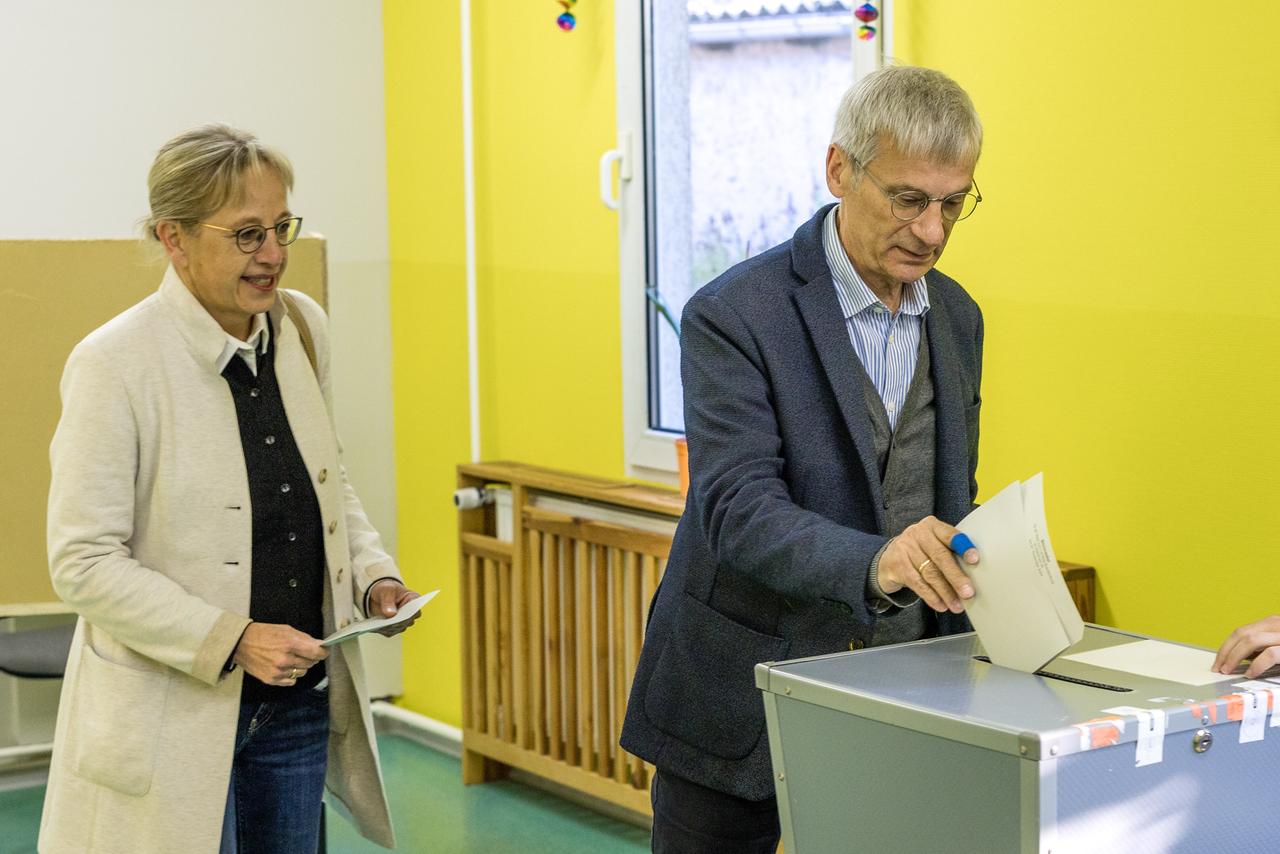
1259, 641
277, 654
388, 596
920, 559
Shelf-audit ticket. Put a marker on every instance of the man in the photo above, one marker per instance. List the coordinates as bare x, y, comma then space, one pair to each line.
831, 406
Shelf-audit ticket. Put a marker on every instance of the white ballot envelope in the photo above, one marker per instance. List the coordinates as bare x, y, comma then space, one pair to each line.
1021, 607
406, 613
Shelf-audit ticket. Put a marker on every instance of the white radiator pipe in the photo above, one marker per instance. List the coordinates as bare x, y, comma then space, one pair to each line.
469, 220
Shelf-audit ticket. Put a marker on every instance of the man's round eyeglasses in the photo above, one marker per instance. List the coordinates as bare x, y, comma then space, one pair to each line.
250, 238
910, 204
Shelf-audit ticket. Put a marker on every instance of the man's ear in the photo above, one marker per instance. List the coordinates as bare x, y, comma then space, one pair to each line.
174, 239
839, 171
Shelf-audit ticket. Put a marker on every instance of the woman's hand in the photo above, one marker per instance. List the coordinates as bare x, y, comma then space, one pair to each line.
277, 654
385, 598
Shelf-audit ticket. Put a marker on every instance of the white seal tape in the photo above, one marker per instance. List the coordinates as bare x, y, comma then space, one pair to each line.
1151, 726
1255, 716
1264, 690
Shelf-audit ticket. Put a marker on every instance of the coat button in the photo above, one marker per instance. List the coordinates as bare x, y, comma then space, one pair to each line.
293, 582
856, 644
333, 526
284, 487
253, 392
324, 475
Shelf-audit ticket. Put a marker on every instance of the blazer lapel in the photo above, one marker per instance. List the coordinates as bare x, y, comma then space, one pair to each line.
951, 499
820, 310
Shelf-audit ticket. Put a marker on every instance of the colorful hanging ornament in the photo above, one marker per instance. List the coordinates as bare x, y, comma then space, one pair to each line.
567, 21
866, 33
866, 13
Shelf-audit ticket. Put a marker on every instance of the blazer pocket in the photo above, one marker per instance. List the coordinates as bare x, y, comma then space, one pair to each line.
703, 690
115, 722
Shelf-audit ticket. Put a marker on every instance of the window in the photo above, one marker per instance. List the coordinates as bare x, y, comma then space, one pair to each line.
727, 107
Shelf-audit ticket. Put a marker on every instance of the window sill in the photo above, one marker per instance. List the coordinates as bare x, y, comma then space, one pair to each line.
653, 457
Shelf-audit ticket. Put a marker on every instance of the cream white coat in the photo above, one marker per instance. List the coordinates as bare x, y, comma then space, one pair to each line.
150, 542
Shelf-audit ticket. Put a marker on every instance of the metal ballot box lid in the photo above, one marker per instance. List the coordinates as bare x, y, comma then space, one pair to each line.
925, 746
943, 687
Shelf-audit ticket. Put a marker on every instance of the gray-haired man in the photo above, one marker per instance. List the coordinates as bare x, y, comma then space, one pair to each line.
831, 404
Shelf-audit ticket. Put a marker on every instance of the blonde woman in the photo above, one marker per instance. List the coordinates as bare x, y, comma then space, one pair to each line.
202, 526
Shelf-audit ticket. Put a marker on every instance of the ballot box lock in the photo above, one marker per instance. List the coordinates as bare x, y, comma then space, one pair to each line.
1202, 741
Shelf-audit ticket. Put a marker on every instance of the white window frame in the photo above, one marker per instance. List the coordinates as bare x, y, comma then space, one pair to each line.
650, 454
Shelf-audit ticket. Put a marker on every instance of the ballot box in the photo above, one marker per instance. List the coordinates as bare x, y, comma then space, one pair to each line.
925, 747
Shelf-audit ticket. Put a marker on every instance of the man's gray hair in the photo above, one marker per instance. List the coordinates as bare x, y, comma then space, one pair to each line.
921, 112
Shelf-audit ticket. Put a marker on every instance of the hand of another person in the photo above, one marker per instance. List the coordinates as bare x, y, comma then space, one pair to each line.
920, 559
385, 598
277, 654
1259, 640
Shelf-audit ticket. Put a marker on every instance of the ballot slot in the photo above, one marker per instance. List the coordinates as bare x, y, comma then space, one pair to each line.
1062, 677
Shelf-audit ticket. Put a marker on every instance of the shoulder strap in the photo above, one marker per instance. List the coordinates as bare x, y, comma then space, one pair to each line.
304, 332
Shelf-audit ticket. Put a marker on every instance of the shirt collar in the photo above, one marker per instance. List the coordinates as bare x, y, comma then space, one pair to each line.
259, 338
206, 339
854, 295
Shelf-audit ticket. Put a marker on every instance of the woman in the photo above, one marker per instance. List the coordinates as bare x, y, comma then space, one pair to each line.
201, 525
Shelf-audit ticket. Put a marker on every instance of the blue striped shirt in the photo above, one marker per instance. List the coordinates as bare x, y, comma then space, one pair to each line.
886, 342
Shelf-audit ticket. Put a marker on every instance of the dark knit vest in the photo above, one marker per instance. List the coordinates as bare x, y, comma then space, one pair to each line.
905, 455
287, 573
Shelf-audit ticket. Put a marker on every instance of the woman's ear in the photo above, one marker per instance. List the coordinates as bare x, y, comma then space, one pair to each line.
174, 239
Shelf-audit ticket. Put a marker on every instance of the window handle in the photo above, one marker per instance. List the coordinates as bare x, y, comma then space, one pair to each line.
622, 156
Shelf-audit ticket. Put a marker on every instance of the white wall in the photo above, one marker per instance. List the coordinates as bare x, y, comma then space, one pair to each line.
93, 87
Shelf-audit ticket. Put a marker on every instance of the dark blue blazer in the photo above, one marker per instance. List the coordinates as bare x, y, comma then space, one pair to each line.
785, 509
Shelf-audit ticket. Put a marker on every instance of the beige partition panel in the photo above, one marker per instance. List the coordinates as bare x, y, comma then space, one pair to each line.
52, 294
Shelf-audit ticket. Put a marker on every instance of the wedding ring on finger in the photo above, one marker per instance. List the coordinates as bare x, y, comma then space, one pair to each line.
295, 674
921, 568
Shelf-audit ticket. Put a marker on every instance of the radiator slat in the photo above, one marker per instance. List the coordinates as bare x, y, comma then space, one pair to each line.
475, 623
537, 720
569, 628
491, 660
553, 632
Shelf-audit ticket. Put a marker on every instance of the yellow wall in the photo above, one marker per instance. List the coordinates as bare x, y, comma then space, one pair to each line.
547, 248
1123, 258
428, 328
547, 259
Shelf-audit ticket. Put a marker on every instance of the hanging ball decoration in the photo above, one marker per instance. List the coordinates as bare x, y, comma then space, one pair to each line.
866, 33
566, 21
866, 13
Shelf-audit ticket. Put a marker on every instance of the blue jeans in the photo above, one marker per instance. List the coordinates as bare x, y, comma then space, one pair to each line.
277, 777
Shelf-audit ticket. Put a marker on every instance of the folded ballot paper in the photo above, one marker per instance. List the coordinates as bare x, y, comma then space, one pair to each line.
1021, 608
373, 624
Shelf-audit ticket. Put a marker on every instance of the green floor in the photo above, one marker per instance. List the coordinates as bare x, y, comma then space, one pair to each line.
432, 811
